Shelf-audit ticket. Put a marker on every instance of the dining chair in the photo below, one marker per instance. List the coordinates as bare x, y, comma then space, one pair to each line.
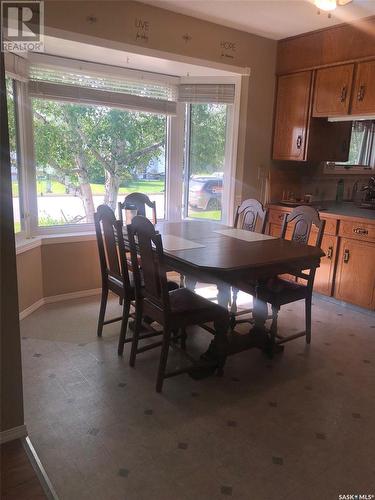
115, 273
252, 216
279, 291
140, 201
173, 310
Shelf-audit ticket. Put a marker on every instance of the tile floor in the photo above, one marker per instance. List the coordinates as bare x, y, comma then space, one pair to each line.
298, 427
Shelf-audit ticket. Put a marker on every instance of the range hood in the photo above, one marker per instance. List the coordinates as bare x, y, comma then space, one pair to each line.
350, 118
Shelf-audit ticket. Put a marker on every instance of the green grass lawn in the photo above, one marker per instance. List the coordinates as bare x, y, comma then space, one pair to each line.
210, 214
147, 187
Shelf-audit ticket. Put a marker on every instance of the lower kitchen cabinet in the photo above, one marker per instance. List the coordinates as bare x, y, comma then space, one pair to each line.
355, 275
324, 274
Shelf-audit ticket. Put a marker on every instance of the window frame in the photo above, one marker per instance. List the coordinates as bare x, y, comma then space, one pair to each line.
174, 163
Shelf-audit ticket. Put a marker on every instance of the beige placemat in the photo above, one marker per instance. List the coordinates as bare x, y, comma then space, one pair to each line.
171, 242
242, 234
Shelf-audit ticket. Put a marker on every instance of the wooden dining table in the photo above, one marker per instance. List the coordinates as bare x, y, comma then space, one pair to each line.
211, 252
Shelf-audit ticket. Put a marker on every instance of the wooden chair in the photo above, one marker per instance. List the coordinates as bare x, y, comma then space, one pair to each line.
174, 310
279, 291
115, 273
114, 269
140, 201
252, 216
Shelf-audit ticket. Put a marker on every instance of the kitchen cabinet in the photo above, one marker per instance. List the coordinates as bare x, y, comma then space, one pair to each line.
347, 271
333, 90
355, 275
291, 116
297, 136
363, 99
324, 274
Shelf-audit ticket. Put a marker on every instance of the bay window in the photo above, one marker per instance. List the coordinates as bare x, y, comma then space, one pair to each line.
83, 134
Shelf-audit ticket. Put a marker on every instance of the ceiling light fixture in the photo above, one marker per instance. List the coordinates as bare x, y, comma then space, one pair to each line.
326, 5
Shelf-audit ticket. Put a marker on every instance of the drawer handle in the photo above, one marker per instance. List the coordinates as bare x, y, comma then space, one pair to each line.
344, 93
329, 252
360, 230
346, 256
361, 93
299, 142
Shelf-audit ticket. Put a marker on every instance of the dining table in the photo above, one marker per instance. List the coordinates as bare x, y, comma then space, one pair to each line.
211, 252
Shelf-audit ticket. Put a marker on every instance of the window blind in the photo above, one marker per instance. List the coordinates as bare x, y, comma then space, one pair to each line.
76, 86
206, 93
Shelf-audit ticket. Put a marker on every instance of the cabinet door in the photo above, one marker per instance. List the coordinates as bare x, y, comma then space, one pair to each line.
291, 116
363, 100
324, 274
332, 90
355, 276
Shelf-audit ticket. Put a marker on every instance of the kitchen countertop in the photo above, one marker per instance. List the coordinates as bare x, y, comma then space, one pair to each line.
332, 209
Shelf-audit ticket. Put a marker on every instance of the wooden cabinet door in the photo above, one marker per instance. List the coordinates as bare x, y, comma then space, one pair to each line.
292, 116
355, 276
363, 99
332, 90
324, 274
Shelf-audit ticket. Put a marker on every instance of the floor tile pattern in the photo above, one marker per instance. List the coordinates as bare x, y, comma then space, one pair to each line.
289, 428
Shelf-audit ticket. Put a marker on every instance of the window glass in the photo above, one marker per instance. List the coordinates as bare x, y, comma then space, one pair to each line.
204, 170
362, 145
89, 155
14, 152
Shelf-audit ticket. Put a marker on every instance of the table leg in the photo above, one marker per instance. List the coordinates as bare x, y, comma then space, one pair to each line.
224, 295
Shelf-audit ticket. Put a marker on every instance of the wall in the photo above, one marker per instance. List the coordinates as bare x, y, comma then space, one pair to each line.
115, 22
57, 269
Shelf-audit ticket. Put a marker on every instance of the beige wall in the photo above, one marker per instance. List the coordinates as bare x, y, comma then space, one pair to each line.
56, 269
115, 22
30, 278
70, 267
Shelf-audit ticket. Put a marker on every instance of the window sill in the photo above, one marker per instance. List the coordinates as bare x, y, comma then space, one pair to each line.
25, 245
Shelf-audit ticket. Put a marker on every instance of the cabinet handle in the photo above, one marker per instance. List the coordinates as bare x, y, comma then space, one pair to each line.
344, 93
361, 93
360, 230
346, 256
281, 216
299, 142
329, 252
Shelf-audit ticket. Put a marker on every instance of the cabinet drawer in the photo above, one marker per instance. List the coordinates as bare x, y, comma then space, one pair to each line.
277, 217
357, 230
331, 226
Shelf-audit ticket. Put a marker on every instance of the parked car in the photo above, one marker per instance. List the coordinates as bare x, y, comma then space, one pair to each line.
205, 192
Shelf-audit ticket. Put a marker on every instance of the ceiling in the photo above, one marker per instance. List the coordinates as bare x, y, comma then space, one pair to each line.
269, 18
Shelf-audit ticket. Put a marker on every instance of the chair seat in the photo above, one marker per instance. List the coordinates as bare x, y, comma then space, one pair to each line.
184, 302
276, 291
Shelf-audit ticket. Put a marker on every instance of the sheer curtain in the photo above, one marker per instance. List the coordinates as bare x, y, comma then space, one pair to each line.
367, 152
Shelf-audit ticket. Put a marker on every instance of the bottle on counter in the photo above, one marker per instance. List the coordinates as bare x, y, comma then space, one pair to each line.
340, 190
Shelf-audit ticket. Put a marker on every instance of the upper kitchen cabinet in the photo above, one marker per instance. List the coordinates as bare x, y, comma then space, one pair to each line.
291, 116
363, 100
332, 90
297, 136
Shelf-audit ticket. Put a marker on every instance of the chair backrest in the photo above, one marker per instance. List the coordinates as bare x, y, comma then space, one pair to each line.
303, 218
147, 255
139, 201
251, 215
111, 246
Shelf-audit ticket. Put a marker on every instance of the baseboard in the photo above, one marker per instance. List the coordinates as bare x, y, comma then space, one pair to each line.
18, 432
58, 298
72, 295
39, 470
